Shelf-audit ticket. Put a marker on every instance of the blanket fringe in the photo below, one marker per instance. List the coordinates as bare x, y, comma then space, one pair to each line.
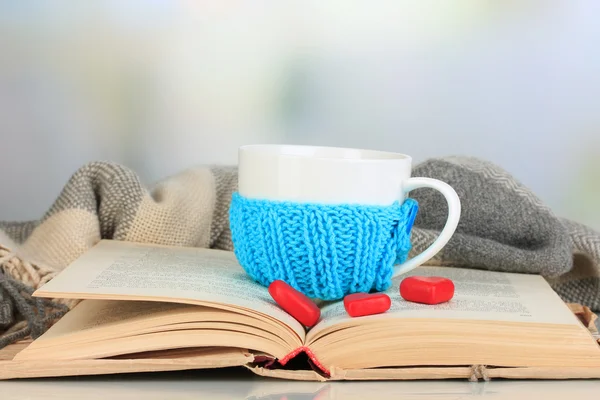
18, 280
479, 372
30, 274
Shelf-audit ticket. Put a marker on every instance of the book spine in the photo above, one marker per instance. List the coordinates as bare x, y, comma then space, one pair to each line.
315, 361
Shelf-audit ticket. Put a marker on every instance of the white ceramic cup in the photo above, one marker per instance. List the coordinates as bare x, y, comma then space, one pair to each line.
334, 175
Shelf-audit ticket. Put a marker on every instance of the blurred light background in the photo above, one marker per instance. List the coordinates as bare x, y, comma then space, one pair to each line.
161, 85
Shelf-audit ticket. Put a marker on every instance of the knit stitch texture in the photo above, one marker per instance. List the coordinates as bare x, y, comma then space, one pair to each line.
324, 251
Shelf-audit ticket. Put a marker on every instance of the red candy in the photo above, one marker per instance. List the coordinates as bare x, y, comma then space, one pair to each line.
294, 303
360, 304
427, 289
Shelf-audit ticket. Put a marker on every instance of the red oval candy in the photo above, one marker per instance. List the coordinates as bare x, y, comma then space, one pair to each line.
426, 289
361, 304
295, 303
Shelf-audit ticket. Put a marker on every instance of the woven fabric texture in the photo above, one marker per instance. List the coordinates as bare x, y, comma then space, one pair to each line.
324, 251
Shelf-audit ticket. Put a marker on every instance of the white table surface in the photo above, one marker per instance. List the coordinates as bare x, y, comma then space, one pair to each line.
240, 384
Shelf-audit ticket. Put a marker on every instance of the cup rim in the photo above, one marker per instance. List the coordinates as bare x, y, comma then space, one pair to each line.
300, 152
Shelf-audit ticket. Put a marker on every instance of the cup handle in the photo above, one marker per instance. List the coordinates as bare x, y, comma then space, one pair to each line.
448, 230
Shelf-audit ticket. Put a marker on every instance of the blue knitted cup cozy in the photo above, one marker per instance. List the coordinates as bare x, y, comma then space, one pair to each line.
324, 251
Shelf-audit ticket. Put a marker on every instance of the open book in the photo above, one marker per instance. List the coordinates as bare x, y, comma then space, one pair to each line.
162, 307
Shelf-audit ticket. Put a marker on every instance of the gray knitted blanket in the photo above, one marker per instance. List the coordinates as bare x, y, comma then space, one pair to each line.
503, 227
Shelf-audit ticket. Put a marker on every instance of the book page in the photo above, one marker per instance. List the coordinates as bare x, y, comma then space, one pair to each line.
90, 314
115, 270
478, 295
